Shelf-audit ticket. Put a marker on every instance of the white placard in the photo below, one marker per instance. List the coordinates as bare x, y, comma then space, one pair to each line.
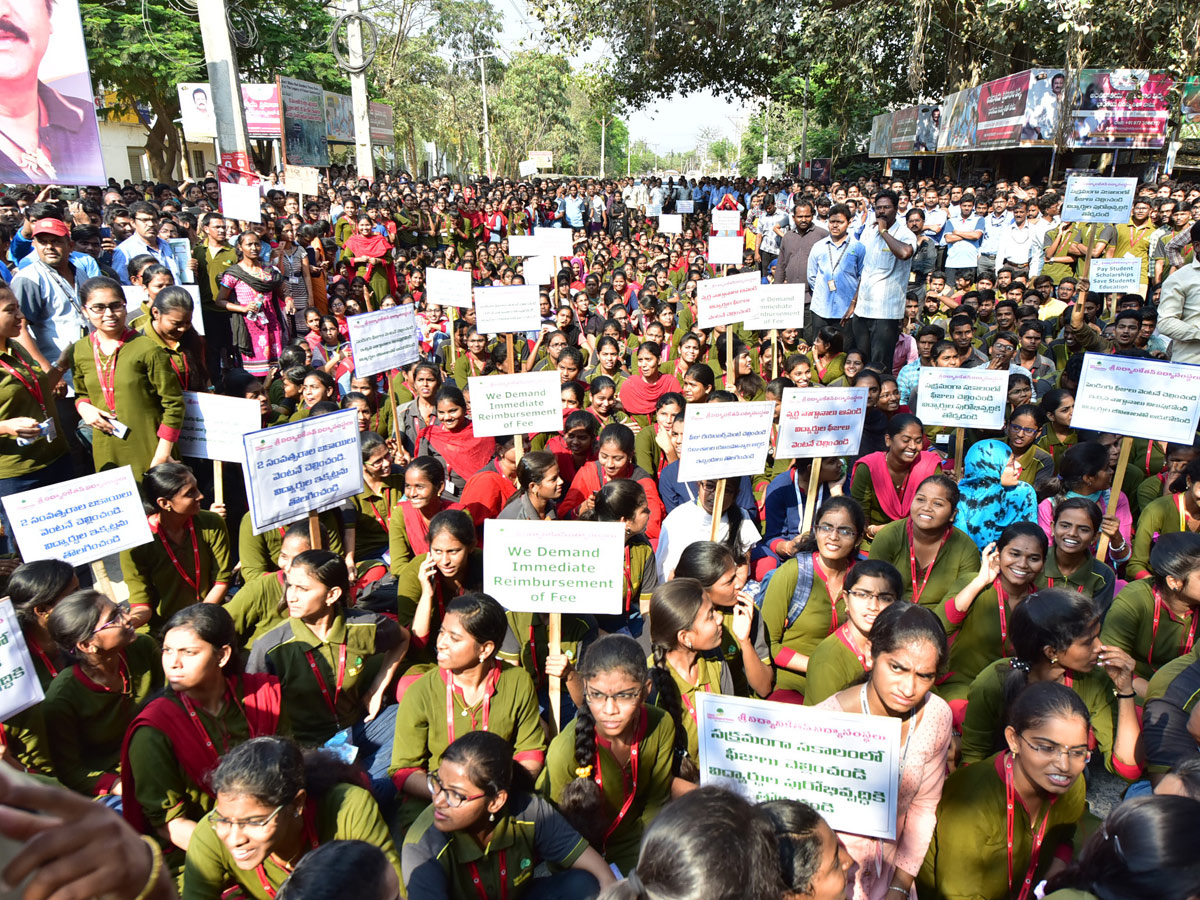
1142, 398
554, 567
653, 210
1114, 276
213, 425
685, 206
135, 296
844, 765
516, 404
1090, 198
527, 167
962, 398
724, 440
80, 520
241, 201
670, 224
726, 219
383, 339
524, 244
448, 287
302, 179
197, 317
734, 298
301, 467
779, 306
513, 307
556, 241
538, 270
815, 423
19, 684
181, 249
725, 250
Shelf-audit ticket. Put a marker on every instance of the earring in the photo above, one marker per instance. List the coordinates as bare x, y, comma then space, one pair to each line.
491, 817
1054, 660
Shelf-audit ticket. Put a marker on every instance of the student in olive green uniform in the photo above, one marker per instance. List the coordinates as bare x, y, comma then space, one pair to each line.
90, 705
170, 327
838, 528
886, 481
1069, 562
1166, 515
124, 378
648, 451
382, 490
408, 527
1068, 622
930, 554
611, 769
527, 646
480, 838
188, 561
624, 500
258, 553
310, 800
259, 606
1022, 804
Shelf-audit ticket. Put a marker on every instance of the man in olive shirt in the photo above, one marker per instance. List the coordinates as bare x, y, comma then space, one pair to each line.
212, 257
794, 248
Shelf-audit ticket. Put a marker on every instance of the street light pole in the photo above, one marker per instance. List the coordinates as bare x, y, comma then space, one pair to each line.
225, 85
487, 131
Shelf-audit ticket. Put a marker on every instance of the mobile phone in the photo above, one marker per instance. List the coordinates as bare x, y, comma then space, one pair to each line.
120, 429
105, 232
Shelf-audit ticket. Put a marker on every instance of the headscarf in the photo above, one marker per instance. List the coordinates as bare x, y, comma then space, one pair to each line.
987, 506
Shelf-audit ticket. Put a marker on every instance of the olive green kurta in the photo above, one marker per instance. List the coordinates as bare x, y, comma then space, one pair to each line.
731, 651
26, 731
958, 558
16, 401
818, 620
371, 523
259, 553
1130, 626
1159, 517
527, 643
258, 607
832, 667
408, 597
712, 677
975, 637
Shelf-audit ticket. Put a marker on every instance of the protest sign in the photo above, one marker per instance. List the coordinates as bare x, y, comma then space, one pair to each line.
725, 250
1102, 200
538, 270
820, 423
301, 467
302, 179
181, 249
779, 306
846, 766
513, 307
19, 684
383, 339
80, 520
527, 167
1143, 398
1115, 276
241, 201
543, 158
653, 210
381, 119
724, 440
733, 298
554, 567
555, 241
448, 287
726, 219
213, 425
670, 224
516, 404
302, 122
962, 398
685, 206
525, 244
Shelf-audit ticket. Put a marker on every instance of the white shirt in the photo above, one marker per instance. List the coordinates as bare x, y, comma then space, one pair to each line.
1178, 315
1015, 244
688, 523
884, 277
1043, 226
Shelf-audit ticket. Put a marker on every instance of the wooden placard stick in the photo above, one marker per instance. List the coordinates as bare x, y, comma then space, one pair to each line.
810, 500
959, 437
718, 502
1114, 493
314, 529
554, 647
103, 584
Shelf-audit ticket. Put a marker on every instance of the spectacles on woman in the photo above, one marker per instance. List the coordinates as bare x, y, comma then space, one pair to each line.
258, 825
1048, 750
454, 799
121, 613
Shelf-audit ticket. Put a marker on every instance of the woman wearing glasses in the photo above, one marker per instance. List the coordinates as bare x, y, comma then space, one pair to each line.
89, 705
480, 837
253, 293
1024, 425
273, 805
1008, 821
125, 388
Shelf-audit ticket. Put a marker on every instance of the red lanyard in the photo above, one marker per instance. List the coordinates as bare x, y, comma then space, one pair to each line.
199, 726
33, 385
387, 501
310, 835
844, 634
1149, 450
192, 583
331, 702
628, 582
630, 787
41, 654
108, 386
185, 374
1188, 639
532, 654
1001, 596
1050, 583
489, 688
478, 882
912, 562
691, 708
1010, 816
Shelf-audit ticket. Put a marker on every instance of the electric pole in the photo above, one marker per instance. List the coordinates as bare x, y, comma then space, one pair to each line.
358, 92
226, 86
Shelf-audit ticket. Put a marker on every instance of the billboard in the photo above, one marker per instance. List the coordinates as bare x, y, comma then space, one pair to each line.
383, 124
45, 68
1120, 109
260, 103
904, 130
339, 118
302, 121
881, 135
1001, 115
929, 120
960, 114
1043, 107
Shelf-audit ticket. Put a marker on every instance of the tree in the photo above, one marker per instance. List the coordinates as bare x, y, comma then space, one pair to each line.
529, 103
722, 152
604, 103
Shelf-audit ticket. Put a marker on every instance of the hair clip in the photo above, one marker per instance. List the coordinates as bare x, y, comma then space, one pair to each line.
1019, 664
583, 772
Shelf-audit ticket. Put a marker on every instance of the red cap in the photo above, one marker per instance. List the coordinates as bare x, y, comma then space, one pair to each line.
51, 226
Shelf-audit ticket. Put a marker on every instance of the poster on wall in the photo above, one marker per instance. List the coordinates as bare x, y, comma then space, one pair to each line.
1043, 107
383, 124
339, 118
1121, 109
260, 104
960, 114
44, 66
881, 135
929, 120
1001, 115
904, 130
302, 121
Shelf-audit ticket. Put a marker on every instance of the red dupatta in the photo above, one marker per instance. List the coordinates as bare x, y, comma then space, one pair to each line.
463, 452
416, 528
896, 504
373, 245
638, 396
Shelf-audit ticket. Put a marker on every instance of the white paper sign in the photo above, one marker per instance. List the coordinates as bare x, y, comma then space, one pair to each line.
80, 520
726, 219
516, 404
241, 201
653, 209
524, 244
538, 270
300, 467
720, 301
383, 339
1093, 199
197, 318
725, 250
962, 398
779, 306
181, 249
814, 422
1142, 398
556, 241
527, 167
670, 224
724, 440
19, 685
1115, 276
213, 425
302, 179
448, 287
513, 308
685, 206
846, 766
554, 567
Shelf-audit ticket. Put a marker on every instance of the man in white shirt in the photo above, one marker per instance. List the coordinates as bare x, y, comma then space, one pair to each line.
1048, 205
1179, 309
876, 312
1015, 243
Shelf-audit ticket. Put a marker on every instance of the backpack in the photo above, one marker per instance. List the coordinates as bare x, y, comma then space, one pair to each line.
799, 600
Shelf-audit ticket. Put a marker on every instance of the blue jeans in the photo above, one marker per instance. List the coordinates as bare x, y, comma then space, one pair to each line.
62, 469
374, 742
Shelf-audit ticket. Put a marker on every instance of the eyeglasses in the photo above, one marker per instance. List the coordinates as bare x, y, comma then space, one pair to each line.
1048, 750
222, 825
598, 698
453, 798
150, 219
1021, 429
872, 597
100, 309
842, 530
121, 612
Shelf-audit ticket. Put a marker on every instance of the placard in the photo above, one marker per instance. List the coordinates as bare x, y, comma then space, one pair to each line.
1141, 398
670, 224
302, 122
213, 425
554, 567
80, 520
1115, 276
516, 404
725, 250
1104, 200
448, 287
844, 765
181, 249
19, 684
720, 301
527, 167
685, 206
726, 220
514, 307
197, 319
556, 241
301, 467
241, 201
653, 210
543, 158
302, 179
538, 270
962, 398
525, 245
779, 306
384, 339
814, 423
724, 440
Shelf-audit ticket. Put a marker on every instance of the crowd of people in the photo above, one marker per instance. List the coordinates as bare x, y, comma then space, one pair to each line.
322, 708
